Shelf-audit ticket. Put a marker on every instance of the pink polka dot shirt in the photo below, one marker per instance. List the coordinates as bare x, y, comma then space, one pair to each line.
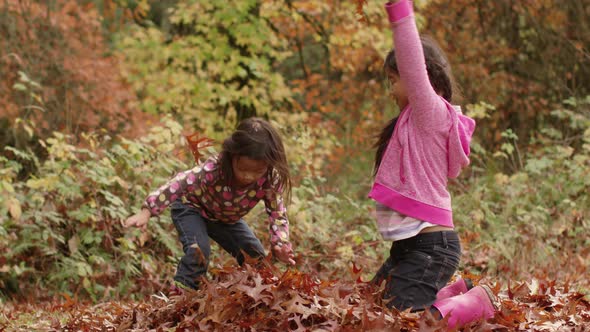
204, 188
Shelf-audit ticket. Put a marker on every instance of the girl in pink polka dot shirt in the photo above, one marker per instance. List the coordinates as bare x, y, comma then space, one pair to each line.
210, 200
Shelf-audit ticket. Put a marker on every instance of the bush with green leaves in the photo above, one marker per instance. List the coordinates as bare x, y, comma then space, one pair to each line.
62, 228
210, 63
534, 217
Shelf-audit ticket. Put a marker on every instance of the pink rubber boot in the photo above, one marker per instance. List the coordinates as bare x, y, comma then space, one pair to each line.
459, 287
466, 308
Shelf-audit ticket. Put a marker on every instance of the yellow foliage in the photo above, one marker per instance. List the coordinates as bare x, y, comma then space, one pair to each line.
14, 208
47, 183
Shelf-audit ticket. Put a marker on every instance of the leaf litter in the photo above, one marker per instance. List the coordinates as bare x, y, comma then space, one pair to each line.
260, 297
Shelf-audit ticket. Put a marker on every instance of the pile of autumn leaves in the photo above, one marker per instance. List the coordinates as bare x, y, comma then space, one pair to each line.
258, 297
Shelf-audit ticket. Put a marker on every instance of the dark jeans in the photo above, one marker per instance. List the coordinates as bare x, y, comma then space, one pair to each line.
194, 229
418, 268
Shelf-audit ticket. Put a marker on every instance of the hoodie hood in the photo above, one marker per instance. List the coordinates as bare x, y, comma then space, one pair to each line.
460, 133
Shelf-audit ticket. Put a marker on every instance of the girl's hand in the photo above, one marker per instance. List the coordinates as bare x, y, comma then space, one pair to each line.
139, 220
284, 253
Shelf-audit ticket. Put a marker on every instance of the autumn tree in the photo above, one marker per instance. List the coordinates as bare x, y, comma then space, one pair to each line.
522, 57
56, 74
210, 63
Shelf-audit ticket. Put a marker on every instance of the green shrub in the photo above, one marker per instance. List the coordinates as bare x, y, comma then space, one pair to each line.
531, 220
62, 228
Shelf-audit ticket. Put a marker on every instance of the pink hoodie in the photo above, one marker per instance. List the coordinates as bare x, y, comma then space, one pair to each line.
430, 142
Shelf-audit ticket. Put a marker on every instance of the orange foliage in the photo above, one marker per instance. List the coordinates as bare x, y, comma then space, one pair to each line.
62, 49
520, 56
342, 85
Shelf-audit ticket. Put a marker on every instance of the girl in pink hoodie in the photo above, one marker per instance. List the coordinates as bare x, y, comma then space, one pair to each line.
417, 153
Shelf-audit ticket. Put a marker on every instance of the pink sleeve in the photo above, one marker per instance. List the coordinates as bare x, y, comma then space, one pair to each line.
426, 104
175, 188
277, 213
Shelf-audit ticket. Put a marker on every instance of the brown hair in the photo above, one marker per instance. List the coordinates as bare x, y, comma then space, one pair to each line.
441, 79
257, 139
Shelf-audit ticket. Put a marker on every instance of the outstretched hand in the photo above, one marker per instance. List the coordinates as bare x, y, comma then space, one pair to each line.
139, 219
284, 254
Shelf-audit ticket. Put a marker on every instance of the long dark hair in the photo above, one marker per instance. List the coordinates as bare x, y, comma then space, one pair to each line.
441, 79
257, 139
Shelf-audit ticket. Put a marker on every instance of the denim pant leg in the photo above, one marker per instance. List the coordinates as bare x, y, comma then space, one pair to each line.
234, 238
421, 266
192, 229
383, 272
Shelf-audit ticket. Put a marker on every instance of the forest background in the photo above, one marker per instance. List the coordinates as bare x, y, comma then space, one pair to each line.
97, 96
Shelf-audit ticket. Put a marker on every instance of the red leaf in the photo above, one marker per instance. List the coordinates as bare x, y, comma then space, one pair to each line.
197, 143
359, 10
255, 292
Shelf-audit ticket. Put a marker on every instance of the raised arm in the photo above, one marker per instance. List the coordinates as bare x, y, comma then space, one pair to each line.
409, 54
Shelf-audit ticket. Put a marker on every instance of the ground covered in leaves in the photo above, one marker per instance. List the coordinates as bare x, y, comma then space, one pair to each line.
259, 297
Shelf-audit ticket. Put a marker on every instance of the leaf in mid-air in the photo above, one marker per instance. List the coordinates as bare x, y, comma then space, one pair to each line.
197, 143
359, 10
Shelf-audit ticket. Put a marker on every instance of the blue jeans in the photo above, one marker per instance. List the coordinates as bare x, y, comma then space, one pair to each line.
418, 268
194, 229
